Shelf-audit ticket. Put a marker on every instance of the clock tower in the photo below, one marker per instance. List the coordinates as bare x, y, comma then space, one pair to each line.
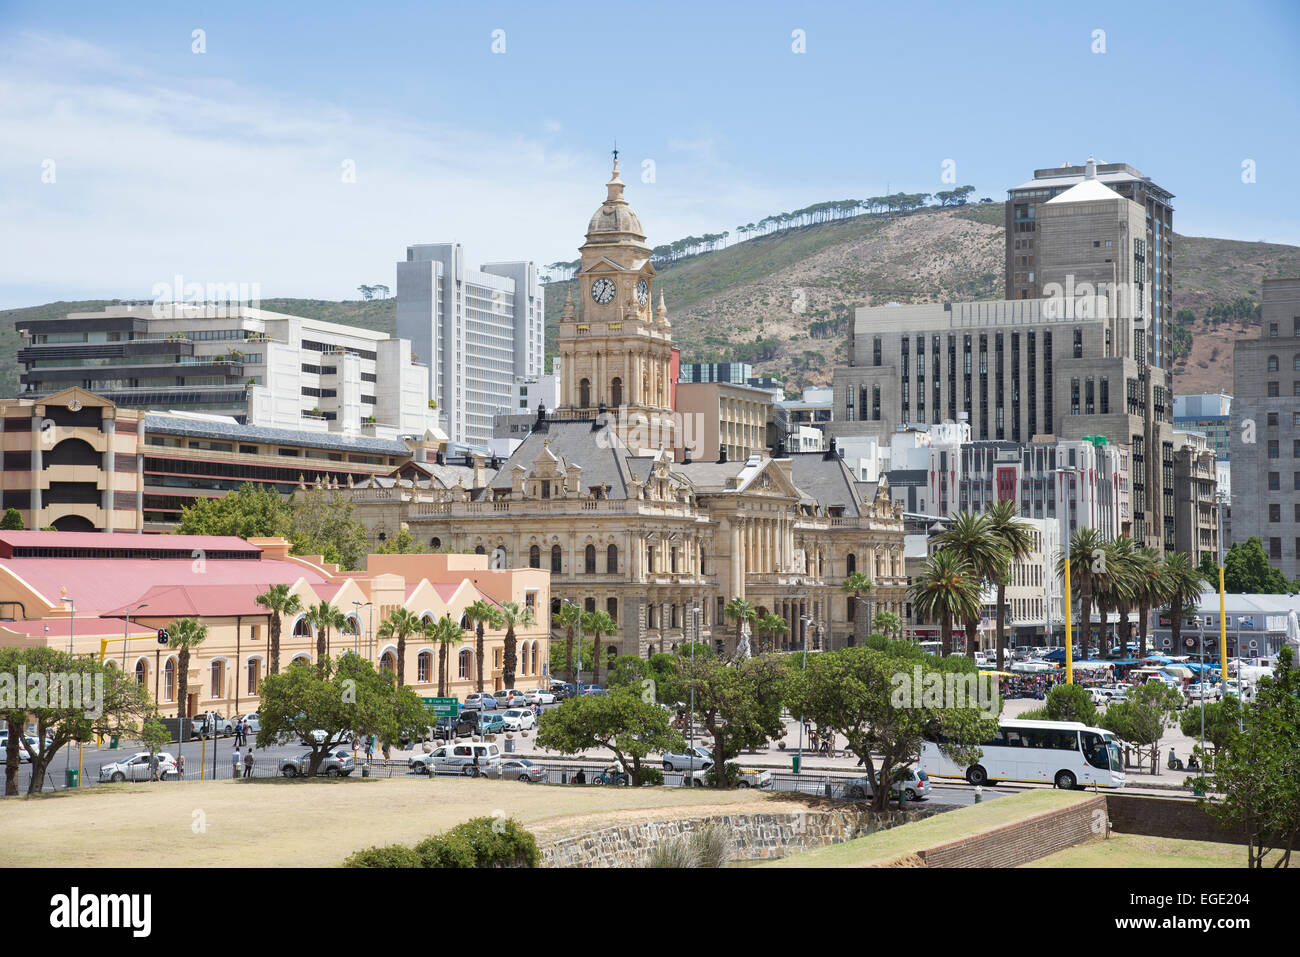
615, 342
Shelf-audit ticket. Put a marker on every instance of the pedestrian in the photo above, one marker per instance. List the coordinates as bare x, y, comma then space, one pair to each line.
248, 763
180, 767
235, 758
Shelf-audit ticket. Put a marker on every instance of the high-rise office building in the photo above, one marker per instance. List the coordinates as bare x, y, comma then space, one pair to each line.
1025, 276
1265, 433
478, 330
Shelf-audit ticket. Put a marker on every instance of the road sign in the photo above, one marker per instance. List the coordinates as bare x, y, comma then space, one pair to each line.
443, 707
163, 637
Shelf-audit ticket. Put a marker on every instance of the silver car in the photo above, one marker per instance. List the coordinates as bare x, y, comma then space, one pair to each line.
336, 764
137, 768
696, 758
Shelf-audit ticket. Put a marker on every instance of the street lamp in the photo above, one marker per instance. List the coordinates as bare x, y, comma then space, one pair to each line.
356, 645
690, 746
1069, 633
72, 616
1220, 500
804, 621
126, 630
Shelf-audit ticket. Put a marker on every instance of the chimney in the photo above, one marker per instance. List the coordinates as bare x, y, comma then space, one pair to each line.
832, 452
480, 479
540, 425
722, 455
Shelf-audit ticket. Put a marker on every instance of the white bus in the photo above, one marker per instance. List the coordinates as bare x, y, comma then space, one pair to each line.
1065, 753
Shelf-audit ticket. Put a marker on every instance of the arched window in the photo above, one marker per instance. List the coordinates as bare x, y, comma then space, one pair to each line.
556, 559
499, 557
480, 550
254, 674
388, 662
383, 536
465, 623
611, 608
534, 557
302, 628
424, 667
529, 657
218, 679
435, 542
611, 652
611, 559
169, 680
141, 671
591, 559
616, 392
465, 665
851, 565
584, 393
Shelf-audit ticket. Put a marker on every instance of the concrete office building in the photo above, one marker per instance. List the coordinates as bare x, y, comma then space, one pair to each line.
1207, 413
478, 330
262, 368
718, 415
1064, 367
1196, 517
1026, 274
1265, 434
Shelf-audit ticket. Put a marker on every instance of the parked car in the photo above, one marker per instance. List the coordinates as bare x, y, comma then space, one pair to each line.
480, 700
22, 751
254, 722
458, 757
540, 697
593, 690
211, 726
491, 723
337, 764
519, 719
520, 769
691, 757
755, 778
318, 737
916, 785
136, 768
510, 697
1198, 690
463, 725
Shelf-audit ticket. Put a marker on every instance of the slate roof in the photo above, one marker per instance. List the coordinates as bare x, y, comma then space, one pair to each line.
830, 482
576, 443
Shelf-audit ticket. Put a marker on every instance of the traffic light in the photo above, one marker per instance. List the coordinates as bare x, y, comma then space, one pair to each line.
163, 637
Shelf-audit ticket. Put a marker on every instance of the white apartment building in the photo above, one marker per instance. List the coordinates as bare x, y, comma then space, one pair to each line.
478, 331
262, 368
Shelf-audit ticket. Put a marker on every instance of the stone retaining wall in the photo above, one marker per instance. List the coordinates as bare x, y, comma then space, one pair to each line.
757, 836
1014, 844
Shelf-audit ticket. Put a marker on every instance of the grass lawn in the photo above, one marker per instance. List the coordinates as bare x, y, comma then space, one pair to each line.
905, 841
1136, 850
270, 822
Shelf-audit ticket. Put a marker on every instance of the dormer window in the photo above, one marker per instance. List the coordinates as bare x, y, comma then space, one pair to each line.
546, 489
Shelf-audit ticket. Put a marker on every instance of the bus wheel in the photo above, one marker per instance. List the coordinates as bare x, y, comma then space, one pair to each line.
1065, 780
977, 776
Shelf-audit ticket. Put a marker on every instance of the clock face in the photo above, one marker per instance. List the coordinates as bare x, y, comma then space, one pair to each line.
602, 290
642, 292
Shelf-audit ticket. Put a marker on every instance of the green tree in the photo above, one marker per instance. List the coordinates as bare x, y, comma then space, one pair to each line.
323, 616
1183, 586
444, 632
969, 536
582, 656
569, 617
1087, 566
154, 736
1142, 718
888, 624
1246, 571
868, 696
1255, 780
12, 521
338, 697
480, 614
739, 703
621, 721
250, 511
1149, 590
1222, 720
397, 626
77, 698
856, 585
742, 612
185, 634
279, 603
1017, 541
403, 543
321, 522
1118, 587
769, 627
947, 590
598, 624
513, 615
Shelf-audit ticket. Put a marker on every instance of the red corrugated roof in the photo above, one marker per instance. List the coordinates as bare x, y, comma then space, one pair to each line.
189, 601
34, 627
97, 540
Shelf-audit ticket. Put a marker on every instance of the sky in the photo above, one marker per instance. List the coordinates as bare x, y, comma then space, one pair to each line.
299, 149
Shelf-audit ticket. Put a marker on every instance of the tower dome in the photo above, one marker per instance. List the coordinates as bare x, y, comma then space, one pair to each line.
614, 221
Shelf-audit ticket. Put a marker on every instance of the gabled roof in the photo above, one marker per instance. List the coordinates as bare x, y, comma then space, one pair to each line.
1087, 191
830, 481
602, 459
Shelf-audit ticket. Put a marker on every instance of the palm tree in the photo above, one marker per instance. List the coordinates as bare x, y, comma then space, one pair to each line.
513, 615
857, 585
1086, 547
947, 589
400, 624
482, 613
185, 634
445, 632
279, 602
968, 535
889, 624
323, 616
1119, 585
1183, 585
569, 617
770, 626
1149, 591
597, 624
741, 611
1017, 540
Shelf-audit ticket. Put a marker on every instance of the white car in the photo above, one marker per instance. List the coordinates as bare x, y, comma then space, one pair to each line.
539, 697
22, 751
318, 737
519, 719
1196, 691
254, 722
136, 768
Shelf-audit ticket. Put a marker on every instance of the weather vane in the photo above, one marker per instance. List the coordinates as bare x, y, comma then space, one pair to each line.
616, 151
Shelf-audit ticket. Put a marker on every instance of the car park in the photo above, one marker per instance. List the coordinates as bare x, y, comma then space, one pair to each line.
518, 719
137, 768
916, 785
540, 696
692, 757
337, 764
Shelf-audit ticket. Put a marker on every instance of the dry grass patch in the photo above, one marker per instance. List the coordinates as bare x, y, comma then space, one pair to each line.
1137, 850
